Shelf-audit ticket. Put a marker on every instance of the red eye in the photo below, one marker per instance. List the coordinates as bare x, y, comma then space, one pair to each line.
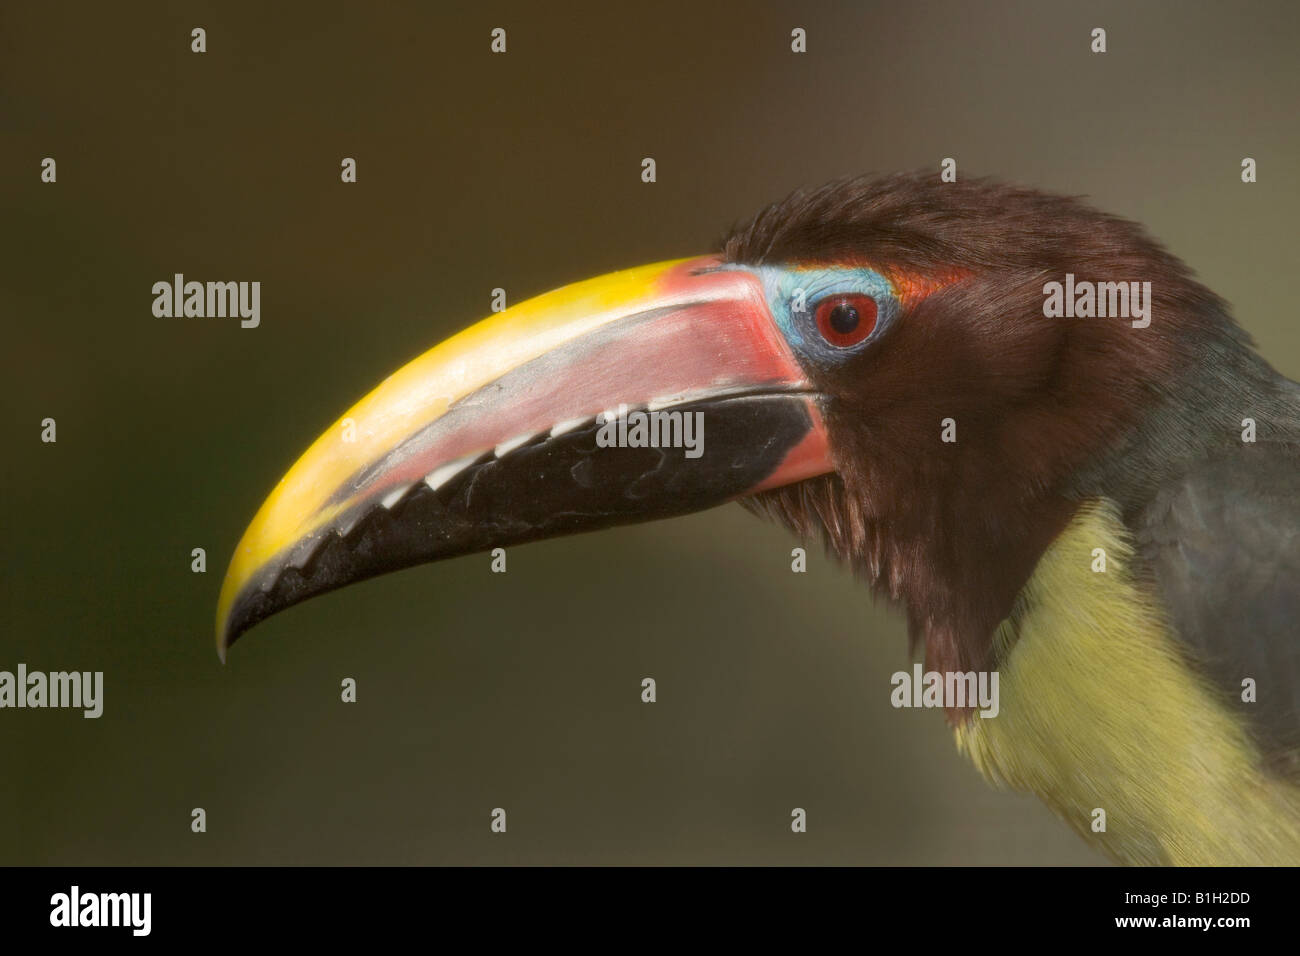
845, 320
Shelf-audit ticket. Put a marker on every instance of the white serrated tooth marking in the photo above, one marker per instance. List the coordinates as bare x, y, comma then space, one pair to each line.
394, 496
444, 473
506, 447
660, 403
297, 557
348, 523
568, 426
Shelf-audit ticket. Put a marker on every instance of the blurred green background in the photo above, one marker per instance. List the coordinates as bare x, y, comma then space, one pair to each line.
522, 171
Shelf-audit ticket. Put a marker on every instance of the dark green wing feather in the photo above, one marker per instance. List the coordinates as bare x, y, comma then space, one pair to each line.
1223, 544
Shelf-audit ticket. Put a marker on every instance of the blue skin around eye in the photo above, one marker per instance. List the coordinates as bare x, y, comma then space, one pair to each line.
780, 283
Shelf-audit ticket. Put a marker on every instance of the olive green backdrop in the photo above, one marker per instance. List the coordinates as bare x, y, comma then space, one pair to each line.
522, 171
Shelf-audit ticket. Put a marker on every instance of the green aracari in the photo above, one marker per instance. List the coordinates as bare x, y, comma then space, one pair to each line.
1019, 419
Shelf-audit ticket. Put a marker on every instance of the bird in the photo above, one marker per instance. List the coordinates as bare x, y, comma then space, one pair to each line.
1096, 504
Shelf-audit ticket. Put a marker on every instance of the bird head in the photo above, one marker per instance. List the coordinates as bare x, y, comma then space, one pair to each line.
868, 362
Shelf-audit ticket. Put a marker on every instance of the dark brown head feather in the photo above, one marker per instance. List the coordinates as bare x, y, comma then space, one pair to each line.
1045, 407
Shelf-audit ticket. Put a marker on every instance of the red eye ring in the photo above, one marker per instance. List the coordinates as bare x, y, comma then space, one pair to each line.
845, 320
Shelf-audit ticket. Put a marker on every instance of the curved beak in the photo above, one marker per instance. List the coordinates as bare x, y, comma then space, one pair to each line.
643, 394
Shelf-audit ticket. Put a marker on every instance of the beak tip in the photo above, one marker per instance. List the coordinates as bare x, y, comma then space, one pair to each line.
225, 632
223, 639
232, 618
